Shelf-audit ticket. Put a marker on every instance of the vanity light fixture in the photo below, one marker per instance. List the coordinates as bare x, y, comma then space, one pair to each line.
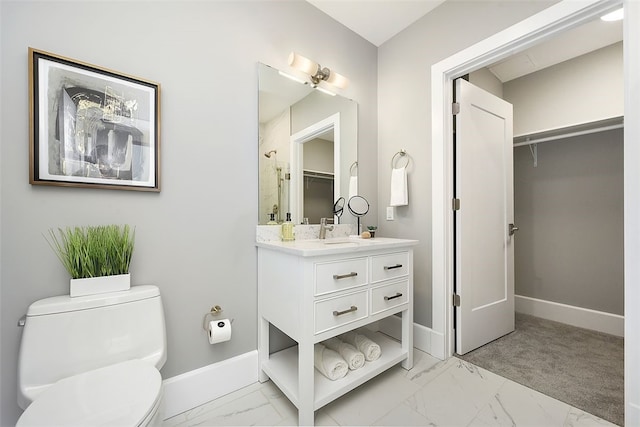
616, 15
316, 72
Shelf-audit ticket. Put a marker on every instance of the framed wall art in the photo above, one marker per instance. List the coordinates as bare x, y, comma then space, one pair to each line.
92, 127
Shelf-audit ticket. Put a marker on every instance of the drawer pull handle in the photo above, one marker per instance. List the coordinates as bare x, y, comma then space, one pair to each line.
344, 276
397, 295
340, 313
391, 267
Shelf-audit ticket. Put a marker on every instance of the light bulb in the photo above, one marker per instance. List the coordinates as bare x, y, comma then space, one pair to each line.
337, 80
303, 64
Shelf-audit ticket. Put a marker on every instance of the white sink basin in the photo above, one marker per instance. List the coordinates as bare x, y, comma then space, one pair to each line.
339, 241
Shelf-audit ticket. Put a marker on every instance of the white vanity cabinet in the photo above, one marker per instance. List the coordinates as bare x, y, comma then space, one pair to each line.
313, 290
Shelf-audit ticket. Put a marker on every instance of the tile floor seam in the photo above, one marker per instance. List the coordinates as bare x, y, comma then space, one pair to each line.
282, 416
529, 404
434, 367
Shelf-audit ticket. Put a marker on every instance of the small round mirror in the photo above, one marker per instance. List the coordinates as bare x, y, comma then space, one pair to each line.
338, 208
358, 206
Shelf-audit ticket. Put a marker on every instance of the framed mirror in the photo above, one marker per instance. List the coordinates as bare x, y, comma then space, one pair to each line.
307, 146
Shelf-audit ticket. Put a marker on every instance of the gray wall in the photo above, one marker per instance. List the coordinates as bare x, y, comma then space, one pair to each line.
581, 90
485, 79
570, 213
404, 113
195, 239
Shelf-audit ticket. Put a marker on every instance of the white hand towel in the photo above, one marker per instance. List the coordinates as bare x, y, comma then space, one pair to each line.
399, 193
353, 356
329, 363
370, 349
353, 186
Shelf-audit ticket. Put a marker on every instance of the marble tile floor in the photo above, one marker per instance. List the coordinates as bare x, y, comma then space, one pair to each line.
433, 393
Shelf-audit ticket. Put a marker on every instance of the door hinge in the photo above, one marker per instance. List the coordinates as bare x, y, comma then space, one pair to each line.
456, 300
455, 205
455, 108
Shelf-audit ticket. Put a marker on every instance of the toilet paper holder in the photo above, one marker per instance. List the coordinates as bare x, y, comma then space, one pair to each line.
216, 310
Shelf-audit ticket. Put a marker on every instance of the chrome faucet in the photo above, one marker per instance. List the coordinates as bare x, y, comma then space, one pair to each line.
324, 227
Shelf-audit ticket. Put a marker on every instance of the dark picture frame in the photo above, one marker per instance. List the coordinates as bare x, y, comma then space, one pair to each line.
91, 127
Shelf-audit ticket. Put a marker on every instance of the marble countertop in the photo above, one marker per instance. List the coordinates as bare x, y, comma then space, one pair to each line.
334, 246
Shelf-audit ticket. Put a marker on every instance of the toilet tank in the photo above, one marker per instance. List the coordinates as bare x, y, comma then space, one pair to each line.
65, 336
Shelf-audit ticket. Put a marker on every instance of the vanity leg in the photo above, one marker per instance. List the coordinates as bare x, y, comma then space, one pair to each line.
407, 338
305, 383
263, 347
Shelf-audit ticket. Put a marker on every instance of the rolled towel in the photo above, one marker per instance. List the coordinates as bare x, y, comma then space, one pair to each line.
329, 363
370, 349
353, 356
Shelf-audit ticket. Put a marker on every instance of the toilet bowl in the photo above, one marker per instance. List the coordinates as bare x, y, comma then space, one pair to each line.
93, 361
125, 394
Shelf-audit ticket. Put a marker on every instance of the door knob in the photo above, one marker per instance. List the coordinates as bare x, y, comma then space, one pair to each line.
512, 229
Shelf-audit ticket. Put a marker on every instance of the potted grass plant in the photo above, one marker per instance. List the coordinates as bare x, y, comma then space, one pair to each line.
96, 257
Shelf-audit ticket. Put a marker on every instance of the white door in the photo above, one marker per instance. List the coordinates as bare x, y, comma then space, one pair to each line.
484, 244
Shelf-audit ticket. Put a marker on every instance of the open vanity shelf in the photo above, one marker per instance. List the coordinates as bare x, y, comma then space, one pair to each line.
282, 368
314, 290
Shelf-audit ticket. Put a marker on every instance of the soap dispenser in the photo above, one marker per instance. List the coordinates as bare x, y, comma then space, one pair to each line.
272, 219
287, 229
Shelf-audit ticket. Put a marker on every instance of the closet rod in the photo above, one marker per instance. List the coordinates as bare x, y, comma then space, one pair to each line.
317, 174
569, 135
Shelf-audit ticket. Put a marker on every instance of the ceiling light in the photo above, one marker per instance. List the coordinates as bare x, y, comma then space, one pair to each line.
316, 72
616, 15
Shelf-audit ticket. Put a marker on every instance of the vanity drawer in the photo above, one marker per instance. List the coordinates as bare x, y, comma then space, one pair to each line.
340, 275
389, 296
389, 266
333, 312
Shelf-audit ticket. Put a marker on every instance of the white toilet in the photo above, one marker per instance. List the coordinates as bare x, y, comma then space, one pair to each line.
93, 360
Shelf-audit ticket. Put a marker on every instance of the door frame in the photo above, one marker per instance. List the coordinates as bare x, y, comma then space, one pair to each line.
550, 22
296, 141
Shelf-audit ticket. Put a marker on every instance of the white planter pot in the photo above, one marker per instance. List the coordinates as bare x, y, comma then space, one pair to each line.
99, 285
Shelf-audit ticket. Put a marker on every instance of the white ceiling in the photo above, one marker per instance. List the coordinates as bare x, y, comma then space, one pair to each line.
379, 20
376, 20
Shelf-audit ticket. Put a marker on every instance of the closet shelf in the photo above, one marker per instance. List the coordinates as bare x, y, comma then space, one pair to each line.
569, 131
307, 173
532, 140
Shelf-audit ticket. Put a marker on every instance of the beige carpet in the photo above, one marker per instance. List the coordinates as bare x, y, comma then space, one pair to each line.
582, 368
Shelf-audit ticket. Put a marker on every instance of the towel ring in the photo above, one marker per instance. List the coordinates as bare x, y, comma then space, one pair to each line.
353, 166
402, 153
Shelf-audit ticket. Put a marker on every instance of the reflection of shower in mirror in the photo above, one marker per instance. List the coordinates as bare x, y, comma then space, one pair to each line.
277, 202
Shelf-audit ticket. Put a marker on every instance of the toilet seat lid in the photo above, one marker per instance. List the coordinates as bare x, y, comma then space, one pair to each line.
122, 394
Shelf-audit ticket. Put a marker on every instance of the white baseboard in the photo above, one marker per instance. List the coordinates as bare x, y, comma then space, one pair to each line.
193, 388
576, 316
422, 339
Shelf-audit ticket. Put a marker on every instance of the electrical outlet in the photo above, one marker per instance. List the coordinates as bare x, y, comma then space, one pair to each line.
391, 213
